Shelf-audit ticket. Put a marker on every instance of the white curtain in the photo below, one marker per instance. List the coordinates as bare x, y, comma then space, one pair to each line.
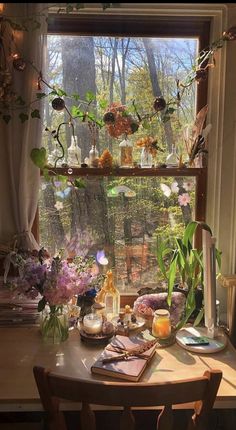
19, 177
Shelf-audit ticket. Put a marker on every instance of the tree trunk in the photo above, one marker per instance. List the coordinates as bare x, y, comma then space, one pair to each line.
157, 90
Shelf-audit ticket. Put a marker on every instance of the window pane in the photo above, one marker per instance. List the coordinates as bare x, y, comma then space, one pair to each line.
122, 216
126, 70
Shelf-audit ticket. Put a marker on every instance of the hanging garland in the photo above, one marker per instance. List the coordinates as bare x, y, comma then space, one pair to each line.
116, 118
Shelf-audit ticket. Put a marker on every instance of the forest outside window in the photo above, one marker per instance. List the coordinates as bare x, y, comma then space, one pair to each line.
122, 215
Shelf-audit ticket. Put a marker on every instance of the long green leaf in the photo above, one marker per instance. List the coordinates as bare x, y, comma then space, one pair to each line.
171, 280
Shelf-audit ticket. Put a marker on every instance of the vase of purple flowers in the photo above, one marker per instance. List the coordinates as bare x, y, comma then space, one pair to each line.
54, 324
55, 281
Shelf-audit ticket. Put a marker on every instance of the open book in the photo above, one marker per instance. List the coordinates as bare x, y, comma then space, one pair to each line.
130, 368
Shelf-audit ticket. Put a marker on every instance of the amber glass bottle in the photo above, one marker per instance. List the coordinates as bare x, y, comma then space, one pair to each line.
110, 296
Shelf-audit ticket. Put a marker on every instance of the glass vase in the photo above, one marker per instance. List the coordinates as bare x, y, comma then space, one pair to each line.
54, 324
146, 158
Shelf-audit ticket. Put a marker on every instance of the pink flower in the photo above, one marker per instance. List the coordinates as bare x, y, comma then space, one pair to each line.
184, 199
188, 185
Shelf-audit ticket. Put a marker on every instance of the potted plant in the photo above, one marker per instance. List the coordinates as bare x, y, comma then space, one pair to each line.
183, 264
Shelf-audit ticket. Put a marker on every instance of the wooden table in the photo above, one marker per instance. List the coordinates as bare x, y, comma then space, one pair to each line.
22, 348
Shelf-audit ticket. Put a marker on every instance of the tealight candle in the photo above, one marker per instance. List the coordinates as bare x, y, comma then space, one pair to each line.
161, 325
92, 323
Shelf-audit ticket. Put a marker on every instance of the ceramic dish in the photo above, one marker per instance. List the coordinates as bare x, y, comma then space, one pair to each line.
132, 325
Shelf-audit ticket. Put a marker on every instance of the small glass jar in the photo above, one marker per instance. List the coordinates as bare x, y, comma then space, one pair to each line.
146, 158
93, 156
126, 153
74, 153
172, 159
161, 325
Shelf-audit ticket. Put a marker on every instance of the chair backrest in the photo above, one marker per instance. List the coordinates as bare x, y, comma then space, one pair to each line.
52, 387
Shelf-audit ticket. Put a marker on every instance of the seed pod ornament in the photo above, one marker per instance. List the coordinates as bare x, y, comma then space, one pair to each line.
159, 104
19, 64
58, 103
109, 118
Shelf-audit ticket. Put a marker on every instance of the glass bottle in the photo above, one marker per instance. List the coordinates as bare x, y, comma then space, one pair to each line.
161, 325
74, 153
172, 159
93, 156
146, 158
126, 153
110, 296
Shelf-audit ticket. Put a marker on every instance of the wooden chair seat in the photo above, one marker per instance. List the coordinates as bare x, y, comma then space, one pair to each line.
200, 391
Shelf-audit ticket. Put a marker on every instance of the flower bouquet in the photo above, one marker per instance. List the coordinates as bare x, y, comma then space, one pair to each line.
55, 281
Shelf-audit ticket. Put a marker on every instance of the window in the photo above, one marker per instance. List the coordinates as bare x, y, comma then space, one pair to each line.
122, 211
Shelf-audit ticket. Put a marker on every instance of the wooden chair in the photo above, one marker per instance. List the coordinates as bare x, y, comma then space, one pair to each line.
53, 387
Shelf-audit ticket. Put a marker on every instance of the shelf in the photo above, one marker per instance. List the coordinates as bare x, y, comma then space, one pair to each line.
135, 171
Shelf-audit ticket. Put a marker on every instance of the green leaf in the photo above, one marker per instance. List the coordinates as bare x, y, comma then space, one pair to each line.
90, 96
41, 95
76, 96
20, 101
46, 174
171, 280
199, 317
61, 178
39, 157
35, 113
76, 111
23, 117
170, 110
6, 118
79, 183
189, 232
41, 304
61, 92
103, 104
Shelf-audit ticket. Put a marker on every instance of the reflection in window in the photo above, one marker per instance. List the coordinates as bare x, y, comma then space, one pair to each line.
124, 217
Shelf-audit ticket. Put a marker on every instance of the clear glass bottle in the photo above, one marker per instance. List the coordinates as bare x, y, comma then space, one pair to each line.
74, 153
93, 156
146, 158
172, 159
126, 153
110, 296
161, 324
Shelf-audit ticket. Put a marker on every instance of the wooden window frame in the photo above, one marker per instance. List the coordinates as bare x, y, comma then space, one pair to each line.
139, 26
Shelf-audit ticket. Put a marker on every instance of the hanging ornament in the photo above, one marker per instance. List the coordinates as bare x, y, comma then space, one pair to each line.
19, 64
109, 118
134, 126
58, 103
159, 104
230, 34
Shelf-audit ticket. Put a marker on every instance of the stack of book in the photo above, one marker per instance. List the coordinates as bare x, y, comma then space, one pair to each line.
15, 312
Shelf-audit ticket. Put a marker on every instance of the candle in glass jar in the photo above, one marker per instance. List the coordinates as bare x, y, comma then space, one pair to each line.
92, 323
161, 325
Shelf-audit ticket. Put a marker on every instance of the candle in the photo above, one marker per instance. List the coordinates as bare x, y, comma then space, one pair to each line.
209, 257
161, 325
92, 324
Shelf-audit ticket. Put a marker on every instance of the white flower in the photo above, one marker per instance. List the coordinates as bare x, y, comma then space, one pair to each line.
174, 187
58, 205
166, 190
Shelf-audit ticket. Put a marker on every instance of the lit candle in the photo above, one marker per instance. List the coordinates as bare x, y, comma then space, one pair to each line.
92, 324
161, 325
